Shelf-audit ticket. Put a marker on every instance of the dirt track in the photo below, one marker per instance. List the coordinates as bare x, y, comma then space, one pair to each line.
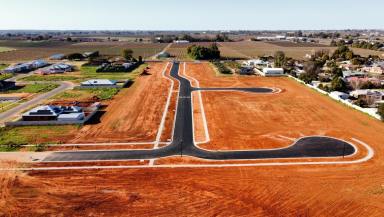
134, 115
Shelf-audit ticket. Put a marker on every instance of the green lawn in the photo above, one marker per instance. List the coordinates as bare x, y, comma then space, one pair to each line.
6, 76
4, 49
5, 106
79, 94
89, 72
50, 78
35, 88
3, 66
12, 138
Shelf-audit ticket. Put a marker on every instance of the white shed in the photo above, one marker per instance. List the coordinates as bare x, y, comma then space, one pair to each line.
273, 72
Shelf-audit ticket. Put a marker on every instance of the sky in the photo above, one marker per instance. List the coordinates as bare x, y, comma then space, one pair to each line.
191, 14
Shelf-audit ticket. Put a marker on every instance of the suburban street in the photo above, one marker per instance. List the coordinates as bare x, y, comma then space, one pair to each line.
183, 143
7, 115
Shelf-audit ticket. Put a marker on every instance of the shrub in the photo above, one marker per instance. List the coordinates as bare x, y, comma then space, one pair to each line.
380, 111
221, 67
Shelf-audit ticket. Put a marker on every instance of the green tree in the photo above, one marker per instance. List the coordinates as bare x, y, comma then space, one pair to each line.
381, 111
128, 54
338, 84
280, 59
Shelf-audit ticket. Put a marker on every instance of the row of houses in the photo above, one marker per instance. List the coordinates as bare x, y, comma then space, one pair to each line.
55, 69
26, 67
372, 98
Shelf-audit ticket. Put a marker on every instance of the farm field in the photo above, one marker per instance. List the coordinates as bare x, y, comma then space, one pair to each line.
255, 49
31, 52
5, 49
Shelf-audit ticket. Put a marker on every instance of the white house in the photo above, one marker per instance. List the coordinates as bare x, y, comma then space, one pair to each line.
369, 96
273, 72
181, 42
99, 83
255, 63
339, 95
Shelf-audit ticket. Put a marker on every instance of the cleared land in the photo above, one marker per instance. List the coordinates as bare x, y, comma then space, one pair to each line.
131, 115
326, 190
29, 51
134, 114
251, 121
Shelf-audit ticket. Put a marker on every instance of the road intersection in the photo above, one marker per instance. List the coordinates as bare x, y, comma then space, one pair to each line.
183, 139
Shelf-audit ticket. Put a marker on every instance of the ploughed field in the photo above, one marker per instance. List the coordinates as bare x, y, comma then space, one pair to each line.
30, 51
253, 49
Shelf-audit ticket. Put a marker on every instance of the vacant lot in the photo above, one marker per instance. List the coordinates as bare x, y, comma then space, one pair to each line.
134, 114
249, 121
27, 51
317, 190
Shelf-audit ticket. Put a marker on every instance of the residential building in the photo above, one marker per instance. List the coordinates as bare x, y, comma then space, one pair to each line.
99, 83
54, 113
273, 72
368, 96
339, 95
57, 57
55, 69
348, 74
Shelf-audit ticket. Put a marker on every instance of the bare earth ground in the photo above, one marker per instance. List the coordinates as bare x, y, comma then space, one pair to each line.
251, 121
134, 115
317, 190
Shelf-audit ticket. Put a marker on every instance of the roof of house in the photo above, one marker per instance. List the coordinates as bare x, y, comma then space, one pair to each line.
338, 93
353, 73
99, 82
45, 110
57, 56
71, 116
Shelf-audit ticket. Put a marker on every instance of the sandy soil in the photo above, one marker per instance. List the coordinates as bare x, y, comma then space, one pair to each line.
135, 113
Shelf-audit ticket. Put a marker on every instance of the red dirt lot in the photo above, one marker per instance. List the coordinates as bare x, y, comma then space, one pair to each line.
266, 191
253, 121
134, 114
310, 190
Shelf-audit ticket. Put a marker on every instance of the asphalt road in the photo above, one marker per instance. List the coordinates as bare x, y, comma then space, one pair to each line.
9, 114
183, 144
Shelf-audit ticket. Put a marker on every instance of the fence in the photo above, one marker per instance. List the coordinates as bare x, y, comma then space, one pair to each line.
345, 102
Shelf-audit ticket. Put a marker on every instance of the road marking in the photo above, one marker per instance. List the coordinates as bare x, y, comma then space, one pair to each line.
165, 112
205, 124
369, 156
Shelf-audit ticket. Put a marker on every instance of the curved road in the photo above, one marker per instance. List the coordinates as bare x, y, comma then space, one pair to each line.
183, 139
7, 115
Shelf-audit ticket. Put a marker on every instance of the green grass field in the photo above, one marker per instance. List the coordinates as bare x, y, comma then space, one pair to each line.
83, 94
35, 88
5, 49
12, 138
